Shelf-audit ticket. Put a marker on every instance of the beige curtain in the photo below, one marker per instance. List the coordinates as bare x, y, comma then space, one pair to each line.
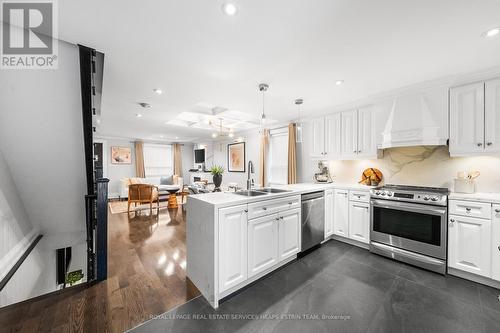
139, 159
292, 154
177, 160
264, 141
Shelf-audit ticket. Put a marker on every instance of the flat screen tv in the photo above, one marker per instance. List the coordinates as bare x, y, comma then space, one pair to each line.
199, 156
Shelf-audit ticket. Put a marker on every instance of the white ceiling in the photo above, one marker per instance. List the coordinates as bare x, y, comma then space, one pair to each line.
196, 54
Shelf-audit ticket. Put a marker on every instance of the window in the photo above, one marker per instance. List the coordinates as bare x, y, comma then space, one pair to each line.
158, 160
278, 156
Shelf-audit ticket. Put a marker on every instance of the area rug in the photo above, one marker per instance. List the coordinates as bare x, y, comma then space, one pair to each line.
118, 207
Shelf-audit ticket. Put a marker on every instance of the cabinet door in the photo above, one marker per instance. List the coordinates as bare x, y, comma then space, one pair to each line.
289, 234
329, 202
262, 244
492, 116
318, 137
467, 119
367, 146
341, 213
232, 246
469, 244
349, 141
495, 240
333, 136
359, 221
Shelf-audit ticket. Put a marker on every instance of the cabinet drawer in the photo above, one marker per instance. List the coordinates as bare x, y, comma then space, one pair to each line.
470, 208
360, 196
263, 208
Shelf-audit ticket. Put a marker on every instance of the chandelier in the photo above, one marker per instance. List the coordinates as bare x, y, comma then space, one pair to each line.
221, 131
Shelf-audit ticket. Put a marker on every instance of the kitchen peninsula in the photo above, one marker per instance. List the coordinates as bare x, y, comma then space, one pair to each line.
233, 240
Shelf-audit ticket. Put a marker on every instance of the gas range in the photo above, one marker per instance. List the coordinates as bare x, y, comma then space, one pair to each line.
436, 196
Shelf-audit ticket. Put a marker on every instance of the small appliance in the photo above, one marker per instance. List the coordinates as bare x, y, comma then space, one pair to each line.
323, 176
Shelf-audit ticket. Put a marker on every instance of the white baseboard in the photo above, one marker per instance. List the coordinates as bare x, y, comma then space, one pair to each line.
474, 277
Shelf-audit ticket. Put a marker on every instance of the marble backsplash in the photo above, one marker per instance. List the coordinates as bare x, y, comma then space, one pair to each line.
424, 166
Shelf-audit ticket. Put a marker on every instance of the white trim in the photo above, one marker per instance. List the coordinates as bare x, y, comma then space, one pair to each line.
349, 241
9, 260
474, 277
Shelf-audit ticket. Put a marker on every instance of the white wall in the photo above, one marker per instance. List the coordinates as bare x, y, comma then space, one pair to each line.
41, 137
216, 153
115, 172
42, 169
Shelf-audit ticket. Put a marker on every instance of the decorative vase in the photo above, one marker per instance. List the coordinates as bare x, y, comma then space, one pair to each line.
217, 181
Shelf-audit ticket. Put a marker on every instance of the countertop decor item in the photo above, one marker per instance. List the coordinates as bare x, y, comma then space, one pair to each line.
465, 182
217, 171
371, 177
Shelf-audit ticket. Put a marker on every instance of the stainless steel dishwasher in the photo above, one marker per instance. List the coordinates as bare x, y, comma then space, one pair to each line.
313, 219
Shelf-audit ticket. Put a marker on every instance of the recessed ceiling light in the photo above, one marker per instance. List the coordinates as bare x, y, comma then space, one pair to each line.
162, 136
214, 135
176, 138
492, 32
158, 91
229, 9
339, 82
138, 115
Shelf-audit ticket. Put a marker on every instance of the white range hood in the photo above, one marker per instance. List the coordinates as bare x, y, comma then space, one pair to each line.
412, 123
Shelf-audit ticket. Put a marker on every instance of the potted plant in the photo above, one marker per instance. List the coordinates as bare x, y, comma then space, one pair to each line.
217, 171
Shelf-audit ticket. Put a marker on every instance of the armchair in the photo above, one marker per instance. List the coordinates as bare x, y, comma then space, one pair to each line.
143, 194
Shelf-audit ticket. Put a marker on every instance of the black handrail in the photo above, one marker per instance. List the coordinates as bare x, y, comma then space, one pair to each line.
19, 262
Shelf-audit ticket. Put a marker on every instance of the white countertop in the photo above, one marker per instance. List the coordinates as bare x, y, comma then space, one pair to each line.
482, 197
223, 199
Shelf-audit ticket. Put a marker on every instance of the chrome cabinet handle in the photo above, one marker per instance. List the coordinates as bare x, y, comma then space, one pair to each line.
290, 203
277, 219
281, 217
497, 210
264, 208
467, 209
479, 144
498, 247
246, 210
355, 152
359, 151
452, 220
489, 143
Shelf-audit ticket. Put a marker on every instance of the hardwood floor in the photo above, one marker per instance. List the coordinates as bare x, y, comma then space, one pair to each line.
146, 277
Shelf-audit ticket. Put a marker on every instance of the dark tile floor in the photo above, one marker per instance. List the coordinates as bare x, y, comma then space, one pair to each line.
366, 292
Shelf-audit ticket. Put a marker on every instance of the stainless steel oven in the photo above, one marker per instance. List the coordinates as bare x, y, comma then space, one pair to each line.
410, 224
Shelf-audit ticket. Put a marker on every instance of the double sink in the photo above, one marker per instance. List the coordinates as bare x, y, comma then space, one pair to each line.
259, 191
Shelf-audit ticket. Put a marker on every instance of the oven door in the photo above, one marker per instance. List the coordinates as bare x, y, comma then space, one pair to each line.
414, 227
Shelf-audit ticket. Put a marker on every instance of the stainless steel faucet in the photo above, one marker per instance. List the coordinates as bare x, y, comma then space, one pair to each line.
250, 181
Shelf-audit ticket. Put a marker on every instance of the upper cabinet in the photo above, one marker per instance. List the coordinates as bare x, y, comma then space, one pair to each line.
475, 118
326, 137
347, 135
492, 116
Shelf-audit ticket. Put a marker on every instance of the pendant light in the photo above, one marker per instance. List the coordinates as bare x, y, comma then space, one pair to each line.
263, 88
298, 125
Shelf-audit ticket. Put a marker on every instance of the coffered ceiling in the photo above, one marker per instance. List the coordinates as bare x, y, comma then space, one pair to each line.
199, 56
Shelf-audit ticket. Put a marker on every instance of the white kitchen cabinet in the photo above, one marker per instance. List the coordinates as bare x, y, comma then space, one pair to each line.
318, 137
329, 203
289, 234
492, 116
495, 243
467, 119
232, 246
349, 129
333, 136
475, 119
341, 213
262, 244
359, 221
367, 140
469, 244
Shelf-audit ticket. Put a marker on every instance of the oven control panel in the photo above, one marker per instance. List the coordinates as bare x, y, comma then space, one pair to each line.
409, 196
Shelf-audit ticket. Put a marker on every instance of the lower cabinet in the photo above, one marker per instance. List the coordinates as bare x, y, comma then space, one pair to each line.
469, 244
341, 213
329, 203
262, 244
289, 234
359, 221
232, 246
495, 243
